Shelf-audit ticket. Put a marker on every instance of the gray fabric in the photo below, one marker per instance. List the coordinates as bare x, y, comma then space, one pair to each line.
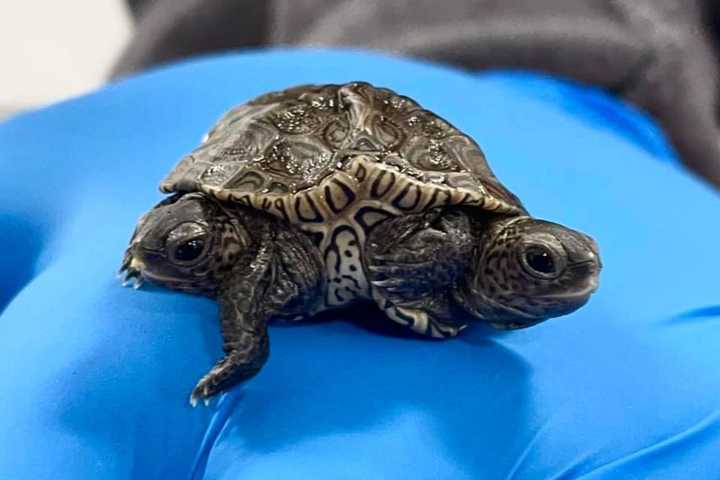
658, 54
168, 30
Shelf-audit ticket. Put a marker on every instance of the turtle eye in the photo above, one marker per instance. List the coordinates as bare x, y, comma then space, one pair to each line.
187, 242
541, 261
190, 250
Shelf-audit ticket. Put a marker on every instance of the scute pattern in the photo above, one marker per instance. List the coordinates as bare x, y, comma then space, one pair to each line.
335, 160
295, 138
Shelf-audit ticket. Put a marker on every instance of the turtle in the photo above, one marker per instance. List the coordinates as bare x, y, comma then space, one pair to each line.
318, 196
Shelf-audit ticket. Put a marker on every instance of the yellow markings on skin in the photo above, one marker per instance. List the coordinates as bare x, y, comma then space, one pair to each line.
362, 182
346, 277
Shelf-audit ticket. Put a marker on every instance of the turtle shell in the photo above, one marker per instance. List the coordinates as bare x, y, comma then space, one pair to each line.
313, 154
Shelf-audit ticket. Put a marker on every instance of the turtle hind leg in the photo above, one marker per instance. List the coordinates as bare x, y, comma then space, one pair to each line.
412, 263
425, 319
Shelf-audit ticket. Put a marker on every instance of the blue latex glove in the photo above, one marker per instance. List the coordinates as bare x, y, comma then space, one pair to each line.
95, 378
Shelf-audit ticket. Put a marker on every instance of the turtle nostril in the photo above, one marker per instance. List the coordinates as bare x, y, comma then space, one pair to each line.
594, 249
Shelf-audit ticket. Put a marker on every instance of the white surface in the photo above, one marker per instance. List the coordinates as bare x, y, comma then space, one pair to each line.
51, 50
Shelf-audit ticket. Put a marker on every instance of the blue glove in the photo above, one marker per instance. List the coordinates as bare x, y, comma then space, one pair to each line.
95, 378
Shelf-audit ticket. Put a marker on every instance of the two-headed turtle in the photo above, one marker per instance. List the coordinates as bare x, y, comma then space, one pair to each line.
317, 196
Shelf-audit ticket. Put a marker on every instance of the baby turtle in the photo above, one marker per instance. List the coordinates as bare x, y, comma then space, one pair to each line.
314, 197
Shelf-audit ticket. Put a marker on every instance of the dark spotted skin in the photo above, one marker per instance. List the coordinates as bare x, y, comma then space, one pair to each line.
413, 261
226, 238
426, 268
502, 289
278, 276
253, 264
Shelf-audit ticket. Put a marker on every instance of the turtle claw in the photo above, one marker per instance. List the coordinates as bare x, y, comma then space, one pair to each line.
194, 402
195, 397
129, 274
202, 391
133, 279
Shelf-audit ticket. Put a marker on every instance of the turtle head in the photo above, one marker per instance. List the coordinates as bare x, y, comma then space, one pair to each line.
527, 271
185, 242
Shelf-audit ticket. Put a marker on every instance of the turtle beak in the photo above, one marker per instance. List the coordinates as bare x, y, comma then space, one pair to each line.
131, 270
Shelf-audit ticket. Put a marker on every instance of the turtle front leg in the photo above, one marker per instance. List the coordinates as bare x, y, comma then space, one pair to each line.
413, 261
243, 322
282, 279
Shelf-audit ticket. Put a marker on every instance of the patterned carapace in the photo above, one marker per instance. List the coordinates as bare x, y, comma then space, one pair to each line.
335, 160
